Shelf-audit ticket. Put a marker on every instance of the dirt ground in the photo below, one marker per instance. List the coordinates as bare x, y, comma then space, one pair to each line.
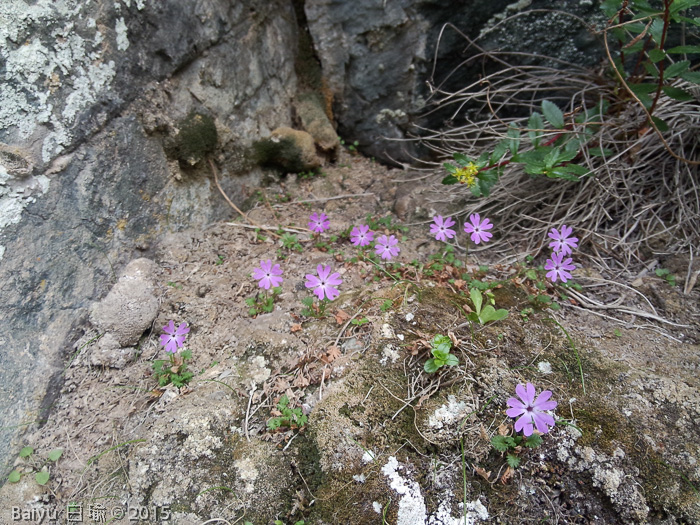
385, 442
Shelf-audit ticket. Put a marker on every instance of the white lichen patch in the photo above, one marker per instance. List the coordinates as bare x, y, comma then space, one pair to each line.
54, 68
411, 503
122, 36
545, 367
16, 194
247, 472
388, 353
471, 514
448, 414
258, 371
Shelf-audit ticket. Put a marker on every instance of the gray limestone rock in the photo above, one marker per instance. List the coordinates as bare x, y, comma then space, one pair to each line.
377, 57
90, 92
130, 306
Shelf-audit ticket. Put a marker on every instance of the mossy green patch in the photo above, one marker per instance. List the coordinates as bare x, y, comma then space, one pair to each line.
283, 154
197, 137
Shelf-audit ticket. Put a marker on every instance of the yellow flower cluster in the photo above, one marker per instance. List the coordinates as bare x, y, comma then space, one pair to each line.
467, 175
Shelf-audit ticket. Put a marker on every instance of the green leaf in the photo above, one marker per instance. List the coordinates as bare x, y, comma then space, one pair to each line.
451, 360
55, 454
442, 343
491, 314
26, 452
535, 124
533, 441
499, 151
42, 477
477, 299
513, 139
450, 179
656, 30
14, 476
598, 152
677, 93
440, 355
553, 114
678, 50
642, 92
657, 55
431, 366
677, 69
691, 76
513, 461
449, 167
499, 443
682, 5
659, 123
462, 159
651, 69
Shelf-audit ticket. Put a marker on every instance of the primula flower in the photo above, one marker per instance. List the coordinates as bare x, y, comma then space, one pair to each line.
319, 223
477, 228
441, 228
558, 268
268, 275
386, 247
174, 338
361, 235
325, 284
562, 242
531, 411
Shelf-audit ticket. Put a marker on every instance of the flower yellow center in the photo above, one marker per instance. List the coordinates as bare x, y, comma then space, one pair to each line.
467, 175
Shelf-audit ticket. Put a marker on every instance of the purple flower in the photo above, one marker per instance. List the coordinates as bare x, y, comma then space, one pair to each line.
531, 411
361, 235
559, 269
386, 247
319, 223
477, 228
173, 338
562, 242
268, 275
441, 228
325, 284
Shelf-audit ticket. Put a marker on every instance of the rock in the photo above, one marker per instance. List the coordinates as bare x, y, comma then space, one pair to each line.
377, 65
289, 149
108, 352
131, 305
315, 121
90, 93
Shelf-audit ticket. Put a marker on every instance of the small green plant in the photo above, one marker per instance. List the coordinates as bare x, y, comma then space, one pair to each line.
313, 308
525, 313
40, 468
173, 370
510, 445
441, 346
386, 305
262, 303
486, 314
219, 260
306, 175
177, 286
384, 223
359, 322
351, 147
666, 275
291, 242
290, 418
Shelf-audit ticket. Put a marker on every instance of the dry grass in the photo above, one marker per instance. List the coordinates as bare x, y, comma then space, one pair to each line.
643, 199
